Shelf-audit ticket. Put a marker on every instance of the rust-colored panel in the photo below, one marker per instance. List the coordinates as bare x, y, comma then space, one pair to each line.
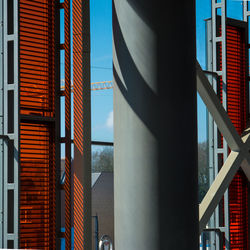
78, 118
237, 111
37, 137
36, 57
36, 187
236, 82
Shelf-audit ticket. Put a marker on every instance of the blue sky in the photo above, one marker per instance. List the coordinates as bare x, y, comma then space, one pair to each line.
101, 49
101, 62
101, 68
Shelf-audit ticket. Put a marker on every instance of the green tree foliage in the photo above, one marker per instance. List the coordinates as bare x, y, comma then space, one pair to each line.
102, 160
203, 174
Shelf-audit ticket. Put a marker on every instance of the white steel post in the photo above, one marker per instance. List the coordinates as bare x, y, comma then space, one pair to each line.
10, 189
216, 40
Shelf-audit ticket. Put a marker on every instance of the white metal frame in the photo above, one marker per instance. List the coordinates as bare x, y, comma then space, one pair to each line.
213, 133
246, 12
239, 155
12, 136
218, 119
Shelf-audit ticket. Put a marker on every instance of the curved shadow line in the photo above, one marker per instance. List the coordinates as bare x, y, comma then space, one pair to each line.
137, 90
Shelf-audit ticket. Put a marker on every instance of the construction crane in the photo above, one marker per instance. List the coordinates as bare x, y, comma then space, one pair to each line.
94, 85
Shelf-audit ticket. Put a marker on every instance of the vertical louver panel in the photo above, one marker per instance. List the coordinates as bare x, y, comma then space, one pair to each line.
37, 128
236, 77
238, 212
236, 108
36, 52
36, 210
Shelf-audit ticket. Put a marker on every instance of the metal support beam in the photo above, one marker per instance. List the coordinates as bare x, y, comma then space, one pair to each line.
220, 116
217, 111
11, 124
218, 188
239, 155
246, 12
150, 120
223, 179
218, 38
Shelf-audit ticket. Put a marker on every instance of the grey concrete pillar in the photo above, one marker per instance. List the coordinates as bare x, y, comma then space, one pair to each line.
155, 125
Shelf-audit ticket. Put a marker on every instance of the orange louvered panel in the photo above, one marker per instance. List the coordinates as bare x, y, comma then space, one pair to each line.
36, 58
236, 96
236, 108
238, 197
236, 77
37, 134
36, 208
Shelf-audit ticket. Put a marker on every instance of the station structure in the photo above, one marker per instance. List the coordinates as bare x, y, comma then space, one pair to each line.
155, 189
31, 55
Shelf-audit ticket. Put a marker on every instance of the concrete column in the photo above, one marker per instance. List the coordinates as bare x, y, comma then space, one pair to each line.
155, 125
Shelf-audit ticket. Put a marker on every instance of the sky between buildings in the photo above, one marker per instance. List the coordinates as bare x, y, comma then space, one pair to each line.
101, 62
